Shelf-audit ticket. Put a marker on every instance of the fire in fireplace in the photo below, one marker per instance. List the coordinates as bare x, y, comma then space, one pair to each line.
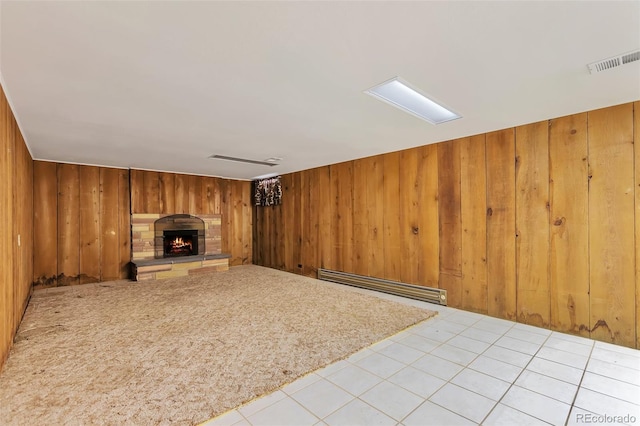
180, 243
179, 235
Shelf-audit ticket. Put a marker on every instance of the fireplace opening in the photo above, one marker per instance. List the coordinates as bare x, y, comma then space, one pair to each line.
180, 243
179, 235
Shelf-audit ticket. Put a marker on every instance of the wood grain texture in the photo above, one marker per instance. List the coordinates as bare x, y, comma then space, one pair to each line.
181, 191
89, 234
636, 149
501, 244
137, 191
23, 223
569, 223
450, 221
374, 189
167, 193
298, 222
247, 218
151, 192
285, 213
7, 143
124, 222
237, 225
68, 224
392, 240
429, 261
310, 246
409, 216
360, 218
324, 208
473, 207
342, 216
109, 255
611, 224
45, 223
16, 226
195, 195
532, 224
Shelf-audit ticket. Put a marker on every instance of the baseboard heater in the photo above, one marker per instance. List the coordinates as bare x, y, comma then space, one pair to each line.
426, 294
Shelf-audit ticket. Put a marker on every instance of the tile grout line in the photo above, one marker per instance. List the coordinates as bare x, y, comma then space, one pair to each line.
584, 371
514, 382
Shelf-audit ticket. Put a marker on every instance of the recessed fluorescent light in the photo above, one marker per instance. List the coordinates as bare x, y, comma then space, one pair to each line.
243, 160
399, 94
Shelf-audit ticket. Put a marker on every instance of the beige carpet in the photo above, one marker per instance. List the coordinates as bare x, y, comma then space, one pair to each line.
180, 351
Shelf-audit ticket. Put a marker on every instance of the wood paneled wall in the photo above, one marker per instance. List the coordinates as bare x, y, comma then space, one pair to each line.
82, 217
81, 224
538, 223
169, 193
16, 226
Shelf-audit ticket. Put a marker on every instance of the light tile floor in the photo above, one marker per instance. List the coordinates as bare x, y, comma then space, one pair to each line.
457, 369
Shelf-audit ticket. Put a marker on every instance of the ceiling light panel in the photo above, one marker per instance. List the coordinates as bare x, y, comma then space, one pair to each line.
244, 160
401, 95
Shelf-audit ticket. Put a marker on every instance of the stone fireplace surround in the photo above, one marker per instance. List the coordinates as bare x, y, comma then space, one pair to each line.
147, 266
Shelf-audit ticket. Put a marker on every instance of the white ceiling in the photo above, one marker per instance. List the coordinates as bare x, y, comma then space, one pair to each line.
163, 85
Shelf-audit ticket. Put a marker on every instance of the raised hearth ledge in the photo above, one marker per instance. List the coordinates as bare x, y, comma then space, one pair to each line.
151, 269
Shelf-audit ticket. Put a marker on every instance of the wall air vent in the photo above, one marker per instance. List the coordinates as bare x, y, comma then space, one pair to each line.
614, 62
268, 162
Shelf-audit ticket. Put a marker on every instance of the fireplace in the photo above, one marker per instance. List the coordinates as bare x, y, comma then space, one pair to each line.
179, 235
180, 243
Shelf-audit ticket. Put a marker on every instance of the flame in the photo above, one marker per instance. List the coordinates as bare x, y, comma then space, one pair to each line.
179, 243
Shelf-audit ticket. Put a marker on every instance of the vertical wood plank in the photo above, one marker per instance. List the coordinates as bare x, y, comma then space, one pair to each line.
89, 224
298, 222
208, 195
345, 215
360, 217
23, 196
109, 225
68, 224
473, 211
7, 325
392, 239
151, 192
195, 195
375, 215
45, 223
236, 224
285, 213
247, 220
167, 189
137, 191
611, 224
636, 148
450, 221
182, 194
532, 224
226, 214
409, 201
124, 223
310, 258
501, 244
324, 207
429, 264
569, 223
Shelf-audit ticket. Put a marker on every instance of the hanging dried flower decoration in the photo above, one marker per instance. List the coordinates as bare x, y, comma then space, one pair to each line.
268, 192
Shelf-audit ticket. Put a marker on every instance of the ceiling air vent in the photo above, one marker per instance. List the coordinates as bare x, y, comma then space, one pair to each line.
614, 62
268, 162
